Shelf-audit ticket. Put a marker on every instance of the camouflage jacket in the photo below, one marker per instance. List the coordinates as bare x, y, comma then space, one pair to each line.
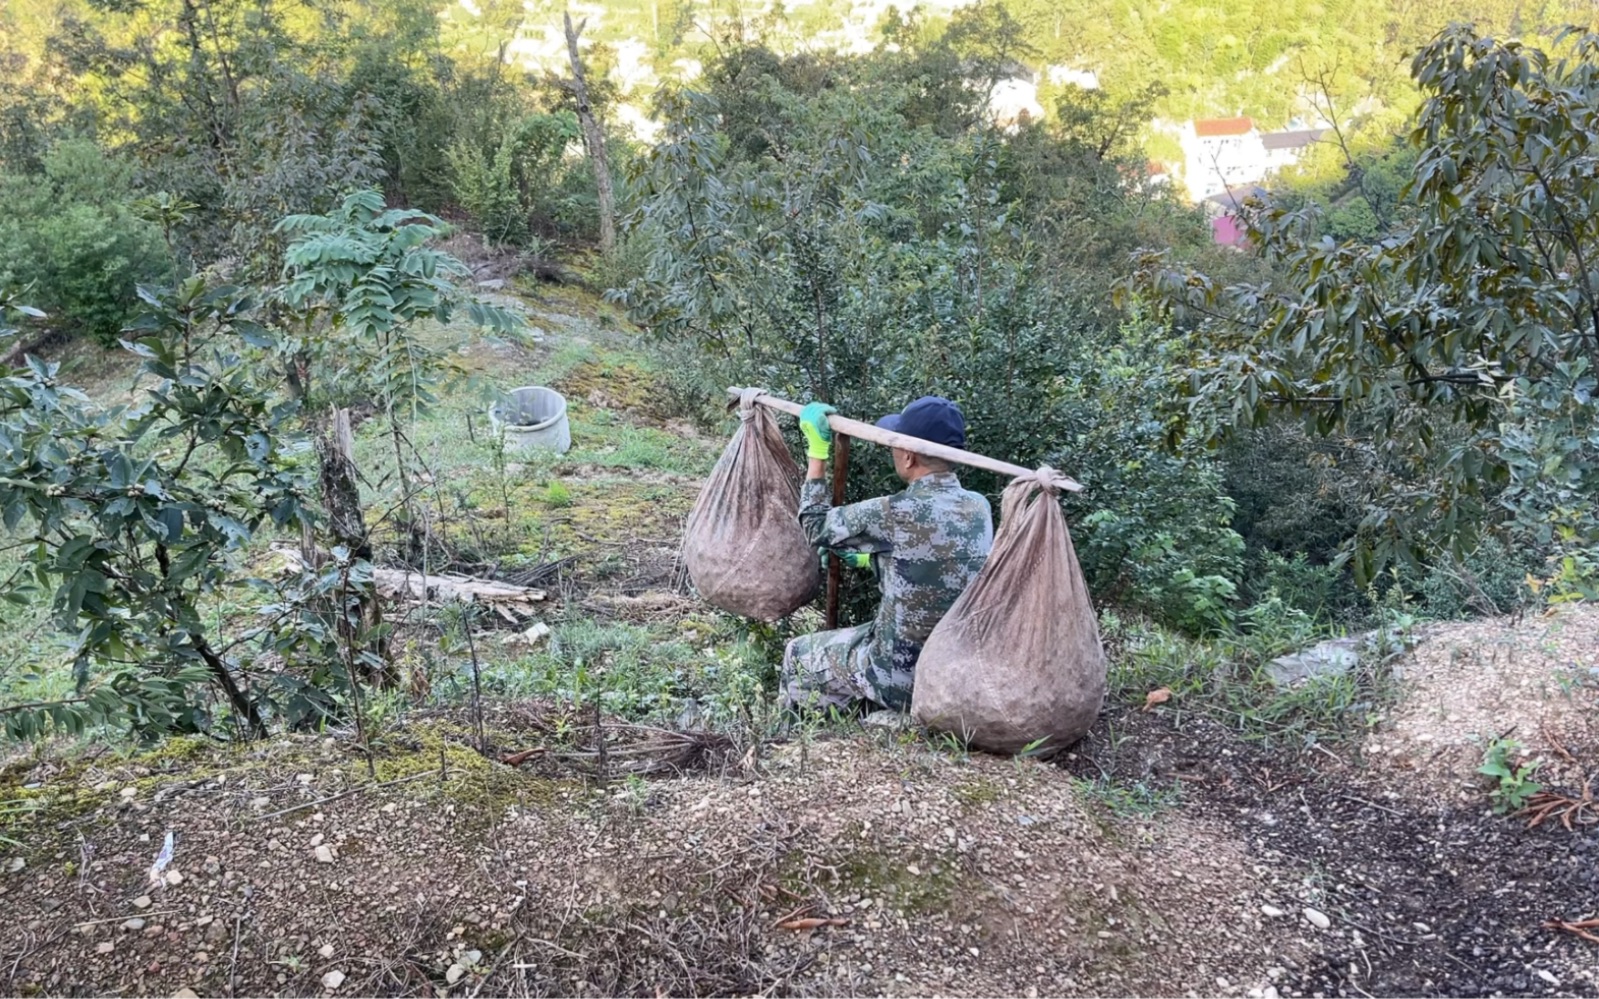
929, 541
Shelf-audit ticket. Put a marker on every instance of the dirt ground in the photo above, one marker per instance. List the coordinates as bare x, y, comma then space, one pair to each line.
838, 864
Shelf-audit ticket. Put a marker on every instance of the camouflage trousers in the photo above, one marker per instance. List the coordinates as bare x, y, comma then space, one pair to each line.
835, 670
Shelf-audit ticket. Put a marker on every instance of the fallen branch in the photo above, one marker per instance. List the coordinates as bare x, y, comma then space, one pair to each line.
517, 759
797, 913
443, 588
123, 918
405, 584
1571, 811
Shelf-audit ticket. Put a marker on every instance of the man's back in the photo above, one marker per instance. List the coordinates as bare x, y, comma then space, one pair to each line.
930, 541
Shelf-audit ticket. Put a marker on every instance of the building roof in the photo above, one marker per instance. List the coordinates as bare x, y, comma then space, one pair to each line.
1210, 127
1292, 140
1233, 198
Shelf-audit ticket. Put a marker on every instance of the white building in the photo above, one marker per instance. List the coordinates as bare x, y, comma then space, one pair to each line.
1224, 153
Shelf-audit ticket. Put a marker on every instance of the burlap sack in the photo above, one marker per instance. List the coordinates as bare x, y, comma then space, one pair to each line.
1017, 658
743, 546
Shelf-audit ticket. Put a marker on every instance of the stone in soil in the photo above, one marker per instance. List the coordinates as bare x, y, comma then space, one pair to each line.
333, 979
326, 951
1271, 911
142, 902
1333, 657
324, 854
455, 974
1318, 919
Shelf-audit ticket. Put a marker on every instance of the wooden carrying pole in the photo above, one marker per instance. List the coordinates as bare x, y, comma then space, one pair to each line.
888, 438
835, 562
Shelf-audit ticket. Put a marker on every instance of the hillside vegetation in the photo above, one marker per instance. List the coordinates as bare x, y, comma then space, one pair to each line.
268, 265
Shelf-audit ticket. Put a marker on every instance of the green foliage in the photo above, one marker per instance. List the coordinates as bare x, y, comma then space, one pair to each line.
1513, 783
1138, 799
1491, 579
135, 513
557, 495
1156, 527
837, 242
358, 279
637, 672
503, 187
1457, 353
73, 238
1225, 677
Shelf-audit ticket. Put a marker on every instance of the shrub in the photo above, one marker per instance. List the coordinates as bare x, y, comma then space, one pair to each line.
73, 238
502, 186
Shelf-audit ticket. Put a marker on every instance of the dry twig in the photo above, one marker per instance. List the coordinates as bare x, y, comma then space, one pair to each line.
1571, 811
1580, 927
812, 923
343, 794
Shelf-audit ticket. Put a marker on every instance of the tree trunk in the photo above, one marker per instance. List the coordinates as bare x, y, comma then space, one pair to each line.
593, 138
341, 495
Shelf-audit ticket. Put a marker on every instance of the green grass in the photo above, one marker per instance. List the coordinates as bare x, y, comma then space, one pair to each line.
467, 483
1135, 799
646, 672
1226, 678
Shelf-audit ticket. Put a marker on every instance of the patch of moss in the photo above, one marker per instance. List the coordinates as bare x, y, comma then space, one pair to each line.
182, 751
612, 383
484, 788
623, 510
70, 793
977, 792
931, 889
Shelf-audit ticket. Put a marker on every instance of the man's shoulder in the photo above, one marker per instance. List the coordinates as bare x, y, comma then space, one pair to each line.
943, 499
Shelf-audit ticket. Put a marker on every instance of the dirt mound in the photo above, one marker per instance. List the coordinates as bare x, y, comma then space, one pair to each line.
928, 874
1422, 897
1465, 685
1164, 855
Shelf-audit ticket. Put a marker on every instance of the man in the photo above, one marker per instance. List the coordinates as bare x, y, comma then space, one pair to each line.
926, 543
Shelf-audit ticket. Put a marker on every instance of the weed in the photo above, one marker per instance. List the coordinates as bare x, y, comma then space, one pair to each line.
978, 792
557, 495
1514, 783
1576, 678
634, 794
1127, 800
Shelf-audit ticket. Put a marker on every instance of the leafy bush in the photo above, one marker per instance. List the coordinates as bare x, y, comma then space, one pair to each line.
1513, 783
503, 187
1490, 579
73, 238
139, 513
1455, 353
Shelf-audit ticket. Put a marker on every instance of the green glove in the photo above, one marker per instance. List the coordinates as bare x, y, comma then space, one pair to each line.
857, 560
818, 435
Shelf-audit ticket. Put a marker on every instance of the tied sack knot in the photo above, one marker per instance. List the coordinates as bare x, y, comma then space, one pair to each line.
1046, 479
746, 403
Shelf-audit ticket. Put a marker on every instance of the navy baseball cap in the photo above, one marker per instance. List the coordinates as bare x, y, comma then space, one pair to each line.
931, 418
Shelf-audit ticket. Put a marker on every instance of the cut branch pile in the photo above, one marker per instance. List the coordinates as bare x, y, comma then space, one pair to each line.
1569, 810
618, 749
407, 585
1582, 928
505, 599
